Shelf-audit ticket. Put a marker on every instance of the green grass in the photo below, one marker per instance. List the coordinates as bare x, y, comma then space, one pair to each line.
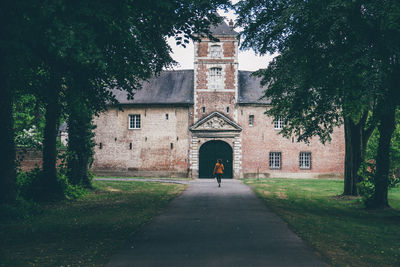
339, 229
158, 178
84, 232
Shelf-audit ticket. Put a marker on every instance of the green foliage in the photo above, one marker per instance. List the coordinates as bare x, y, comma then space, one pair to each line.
366, 187
80, 152
28, 121
30, 187
367, 169
318, 78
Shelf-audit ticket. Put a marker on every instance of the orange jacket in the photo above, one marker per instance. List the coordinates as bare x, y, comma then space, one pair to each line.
219, 168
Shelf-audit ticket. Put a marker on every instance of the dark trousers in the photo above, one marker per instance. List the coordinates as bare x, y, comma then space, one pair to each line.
219, 175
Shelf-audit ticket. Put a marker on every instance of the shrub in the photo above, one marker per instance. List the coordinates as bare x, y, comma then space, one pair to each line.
366, 187
30, 186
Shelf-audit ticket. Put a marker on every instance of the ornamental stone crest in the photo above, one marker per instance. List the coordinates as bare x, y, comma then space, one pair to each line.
216, 122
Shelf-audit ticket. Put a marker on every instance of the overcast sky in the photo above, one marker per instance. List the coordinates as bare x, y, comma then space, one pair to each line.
248, 60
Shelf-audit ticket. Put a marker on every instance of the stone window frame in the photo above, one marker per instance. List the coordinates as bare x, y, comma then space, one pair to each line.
215, 77
275, 160
305, 160
134, 122
216, 50
279, 123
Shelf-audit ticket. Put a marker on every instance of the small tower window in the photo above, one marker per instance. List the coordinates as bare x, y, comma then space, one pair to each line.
216, 51
203, 109
130, 145
100, 146
166, 116
215, 78
251, 120
227, 110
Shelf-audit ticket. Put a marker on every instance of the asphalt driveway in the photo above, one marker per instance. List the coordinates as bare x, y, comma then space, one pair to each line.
211, 226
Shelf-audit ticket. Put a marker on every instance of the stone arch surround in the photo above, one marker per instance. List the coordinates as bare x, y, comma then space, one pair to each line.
233, 140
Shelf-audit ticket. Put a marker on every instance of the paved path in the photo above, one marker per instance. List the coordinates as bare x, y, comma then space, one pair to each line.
211, 226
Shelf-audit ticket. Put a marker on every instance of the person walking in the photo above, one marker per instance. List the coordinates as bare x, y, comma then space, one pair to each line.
218, 171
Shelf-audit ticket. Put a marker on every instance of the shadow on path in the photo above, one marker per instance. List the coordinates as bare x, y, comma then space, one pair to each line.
211, 226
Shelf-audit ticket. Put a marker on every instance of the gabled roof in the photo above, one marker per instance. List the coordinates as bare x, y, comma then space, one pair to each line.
170, 87
216, 121
176, 88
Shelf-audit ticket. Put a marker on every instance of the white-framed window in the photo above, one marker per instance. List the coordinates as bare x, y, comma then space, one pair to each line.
305, 160
215, 51
134, 121
275, 160
251, 120
215, 78
279, 123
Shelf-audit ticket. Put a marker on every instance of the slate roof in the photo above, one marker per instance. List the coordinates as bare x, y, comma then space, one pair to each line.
250, 89
222, 29
176, 87
170, 87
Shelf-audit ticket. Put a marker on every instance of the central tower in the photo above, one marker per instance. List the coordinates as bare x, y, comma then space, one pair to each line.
216, 133
216, 72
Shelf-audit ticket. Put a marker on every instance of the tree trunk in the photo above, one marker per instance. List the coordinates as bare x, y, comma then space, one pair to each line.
49, 183
7, 145
353, 156
80, 138
386, 128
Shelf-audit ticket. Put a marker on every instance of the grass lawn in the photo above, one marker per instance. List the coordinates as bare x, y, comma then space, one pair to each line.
158, 178
340, 229
84, 232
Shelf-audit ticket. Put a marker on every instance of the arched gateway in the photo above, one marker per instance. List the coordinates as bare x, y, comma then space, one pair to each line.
208, 155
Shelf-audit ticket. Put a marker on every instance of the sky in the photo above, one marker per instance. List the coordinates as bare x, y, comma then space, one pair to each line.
248, 60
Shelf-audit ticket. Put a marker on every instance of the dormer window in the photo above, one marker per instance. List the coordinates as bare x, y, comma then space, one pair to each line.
215, 78
216, 51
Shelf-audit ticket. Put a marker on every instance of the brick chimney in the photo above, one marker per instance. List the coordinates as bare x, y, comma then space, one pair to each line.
231, 24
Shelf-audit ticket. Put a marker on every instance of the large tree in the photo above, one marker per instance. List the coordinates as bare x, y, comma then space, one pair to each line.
109, 44
329, 69
14, 60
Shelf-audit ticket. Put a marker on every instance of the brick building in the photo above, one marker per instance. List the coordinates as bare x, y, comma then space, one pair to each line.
181, 121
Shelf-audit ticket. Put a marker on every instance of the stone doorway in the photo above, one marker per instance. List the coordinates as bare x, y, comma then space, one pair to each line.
208, 155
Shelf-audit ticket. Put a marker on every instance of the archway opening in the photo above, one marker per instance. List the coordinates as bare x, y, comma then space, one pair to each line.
208, 155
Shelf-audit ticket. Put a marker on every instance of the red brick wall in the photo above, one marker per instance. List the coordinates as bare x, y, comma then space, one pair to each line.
215, 101
230, 77
201, 76
32, 158
262, 138
151, 144
229, 49
202, 49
